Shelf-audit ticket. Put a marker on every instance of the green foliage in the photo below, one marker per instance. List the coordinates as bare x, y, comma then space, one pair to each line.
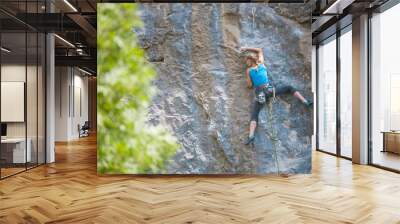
126, 143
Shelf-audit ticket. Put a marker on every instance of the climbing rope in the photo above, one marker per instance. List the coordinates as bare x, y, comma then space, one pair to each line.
253, 11
272, 130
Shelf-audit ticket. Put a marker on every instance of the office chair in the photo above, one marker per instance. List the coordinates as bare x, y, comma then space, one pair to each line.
84, 130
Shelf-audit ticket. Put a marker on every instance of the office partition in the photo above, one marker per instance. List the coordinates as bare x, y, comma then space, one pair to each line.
22, 89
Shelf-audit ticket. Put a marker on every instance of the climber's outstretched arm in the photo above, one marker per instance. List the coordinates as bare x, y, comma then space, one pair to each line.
259, 52
249, 83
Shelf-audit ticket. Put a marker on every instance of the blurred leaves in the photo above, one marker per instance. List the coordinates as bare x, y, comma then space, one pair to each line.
126, 143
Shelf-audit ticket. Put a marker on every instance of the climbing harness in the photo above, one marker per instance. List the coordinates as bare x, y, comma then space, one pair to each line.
260, 98
273, 132
260, 94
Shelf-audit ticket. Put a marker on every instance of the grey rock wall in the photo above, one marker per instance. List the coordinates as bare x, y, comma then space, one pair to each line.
203, 98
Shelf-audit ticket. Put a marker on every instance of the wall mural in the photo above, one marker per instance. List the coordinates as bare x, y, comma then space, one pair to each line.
231, 91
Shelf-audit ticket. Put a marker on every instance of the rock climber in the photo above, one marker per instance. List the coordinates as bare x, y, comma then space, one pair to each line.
257, 78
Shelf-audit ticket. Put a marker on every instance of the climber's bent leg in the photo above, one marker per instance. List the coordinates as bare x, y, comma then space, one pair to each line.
294, 92
298, 95
253, 126
254, 118
253, 121
255, 111
279, 90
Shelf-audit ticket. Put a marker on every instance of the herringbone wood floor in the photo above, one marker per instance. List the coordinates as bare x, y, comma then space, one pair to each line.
70, 191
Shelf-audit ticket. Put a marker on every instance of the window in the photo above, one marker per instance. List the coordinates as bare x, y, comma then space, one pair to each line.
327, 96
385, 89
346, 92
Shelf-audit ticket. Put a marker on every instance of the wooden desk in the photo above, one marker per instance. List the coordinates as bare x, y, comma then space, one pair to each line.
391, 141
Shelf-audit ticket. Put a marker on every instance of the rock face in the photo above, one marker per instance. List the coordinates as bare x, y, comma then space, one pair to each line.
203, 98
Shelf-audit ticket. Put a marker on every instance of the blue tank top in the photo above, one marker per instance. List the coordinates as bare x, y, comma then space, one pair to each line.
259, 75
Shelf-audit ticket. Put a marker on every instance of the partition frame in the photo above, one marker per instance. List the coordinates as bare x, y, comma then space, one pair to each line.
44, 101
337, 34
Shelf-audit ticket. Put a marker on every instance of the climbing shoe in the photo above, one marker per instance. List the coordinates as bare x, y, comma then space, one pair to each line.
249, 141
308, 104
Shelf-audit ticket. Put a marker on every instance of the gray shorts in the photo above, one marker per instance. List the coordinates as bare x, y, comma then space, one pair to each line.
257, 106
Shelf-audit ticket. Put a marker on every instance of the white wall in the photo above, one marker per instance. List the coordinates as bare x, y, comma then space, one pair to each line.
70, 83
62, 82
81, 85
33, 127
12, 73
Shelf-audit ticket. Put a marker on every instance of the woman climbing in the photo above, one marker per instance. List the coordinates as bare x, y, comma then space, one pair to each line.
257, 78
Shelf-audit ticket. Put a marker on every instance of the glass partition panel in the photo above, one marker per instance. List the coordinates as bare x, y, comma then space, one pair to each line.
346, 93
14, 150
31, 97
22, 88
327, 96
41, 98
